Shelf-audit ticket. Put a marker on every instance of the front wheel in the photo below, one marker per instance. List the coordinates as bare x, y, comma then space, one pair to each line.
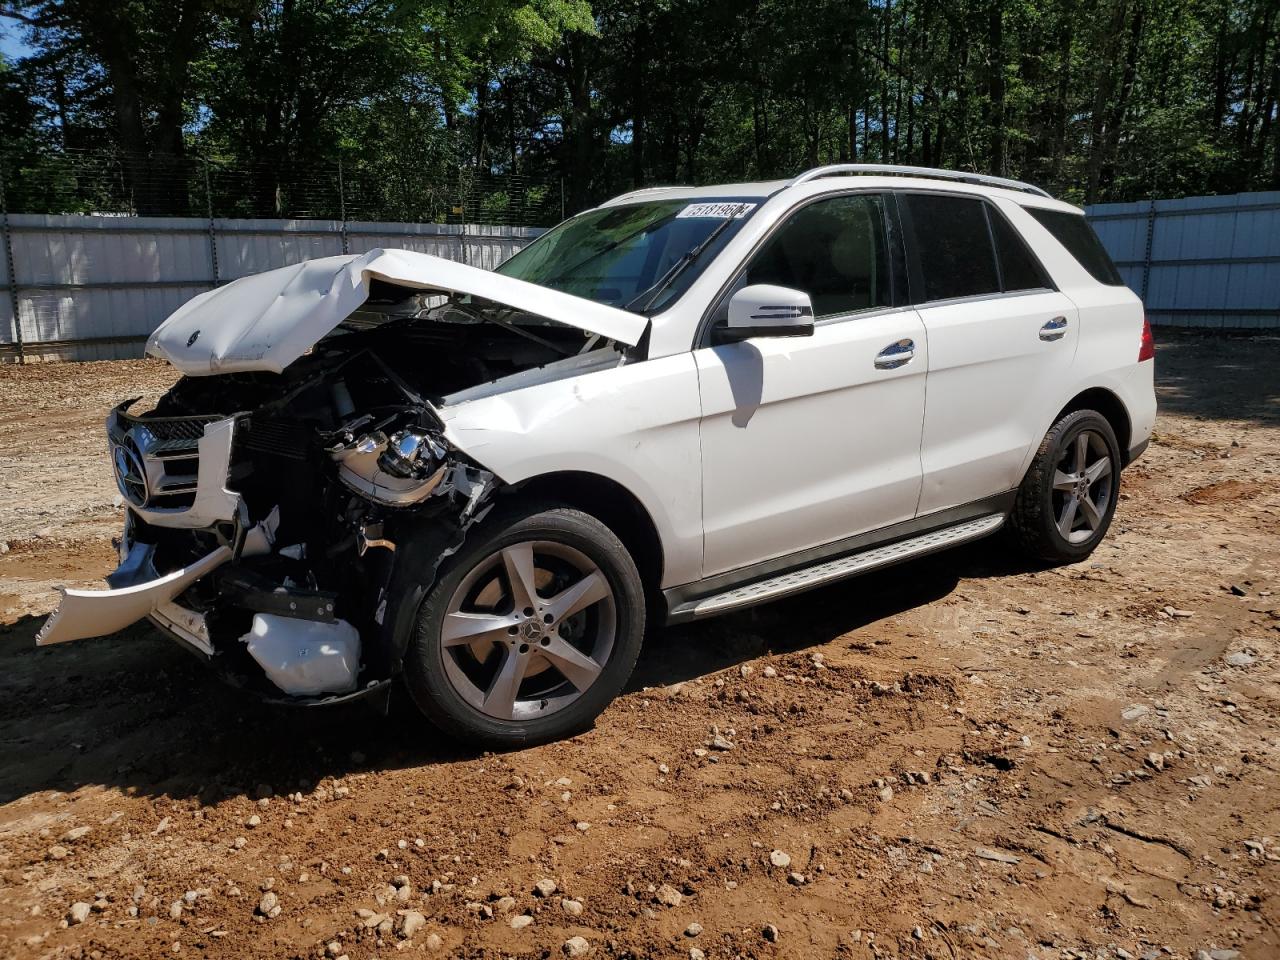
530, 631
1068, 497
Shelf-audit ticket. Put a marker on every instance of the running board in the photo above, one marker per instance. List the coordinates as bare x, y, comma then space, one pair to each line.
807, 578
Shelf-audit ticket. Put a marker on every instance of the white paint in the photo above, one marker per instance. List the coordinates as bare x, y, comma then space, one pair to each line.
806, 441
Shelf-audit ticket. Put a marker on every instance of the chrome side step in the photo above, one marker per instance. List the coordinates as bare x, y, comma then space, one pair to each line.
829, 571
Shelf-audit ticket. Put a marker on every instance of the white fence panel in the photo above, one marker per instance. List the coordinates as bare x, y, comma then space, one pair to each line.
91, 288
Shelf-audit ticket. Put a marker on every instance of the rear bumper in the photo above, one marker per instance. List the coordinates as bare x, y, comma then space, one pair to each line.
1137, 450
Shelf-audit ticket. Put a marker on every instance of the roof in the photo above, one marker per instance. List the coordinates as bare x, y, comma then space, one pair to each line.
823, 179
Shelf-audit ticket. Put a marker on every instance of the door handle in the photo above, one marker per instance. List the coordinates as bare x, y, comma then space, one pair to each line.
896, 354
1055, 329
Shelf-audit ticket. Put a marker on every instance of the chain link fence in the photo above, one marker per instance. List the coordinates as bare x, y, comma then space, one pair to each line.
113, 183
98, 247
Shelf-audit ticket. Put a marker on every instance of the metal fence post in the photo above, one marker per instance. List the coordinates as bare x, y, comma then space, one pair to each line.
462, 205
1146, 257
342, 209
213, 232
13, 277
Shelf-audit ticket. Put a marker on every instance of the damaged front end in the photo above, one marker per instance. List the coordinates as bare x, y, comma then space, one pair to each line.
292, 496
285, 537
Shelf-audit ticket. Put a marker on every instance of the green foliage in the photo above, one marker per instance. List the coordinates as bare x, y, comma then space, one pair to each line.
1095, 99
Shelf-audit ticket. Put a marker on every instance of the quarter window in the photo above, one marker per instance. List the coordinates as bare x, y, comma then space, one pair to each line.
835, 251
954, 245
1073, 232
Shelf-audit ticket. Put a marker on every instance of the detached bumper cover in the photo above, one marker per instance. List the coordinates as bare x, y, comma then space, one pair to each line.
135, 591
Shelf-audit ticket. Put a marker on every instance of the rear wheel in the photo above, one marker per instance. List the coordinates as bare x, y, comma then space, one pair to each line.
530, 631
1068, 497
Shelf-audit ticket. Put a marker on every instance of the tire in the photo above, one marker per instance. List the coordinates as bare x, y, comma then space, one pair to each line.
495, 667
1042, 522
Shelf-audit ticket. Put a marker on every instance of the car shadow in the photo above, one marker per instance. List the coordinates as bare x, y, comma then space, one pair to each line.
136, 712
817, 616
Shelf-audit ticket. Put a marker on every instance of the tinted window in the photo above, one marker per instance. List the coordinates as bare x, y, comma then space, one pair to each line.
954, 246
1019, 268
835, 251
1073, 232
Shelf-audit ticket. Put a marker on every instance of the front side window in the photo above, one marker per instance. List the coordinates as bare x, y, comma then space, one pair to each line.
639, 257
954, 246
835, 251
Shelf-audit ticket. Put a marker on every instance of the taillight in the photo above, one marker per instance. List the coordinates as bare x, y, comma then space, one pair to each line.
1148, 349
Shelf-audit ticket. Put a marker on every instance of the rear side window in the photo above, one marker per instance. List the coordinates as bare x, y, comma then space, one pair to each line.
1073, 232
954, 245
1019, 269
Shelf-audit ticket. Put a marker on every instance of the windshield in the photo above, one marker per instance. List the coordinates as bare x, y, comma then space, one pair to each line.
639, 256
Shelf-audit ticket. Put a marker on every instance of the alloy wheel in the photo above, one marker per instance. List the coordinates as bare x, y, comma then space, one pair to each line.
1082, 486
528, 630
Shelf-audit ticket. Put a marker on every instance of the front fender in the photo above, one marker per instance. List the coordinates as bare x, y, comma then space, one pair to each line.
635, 424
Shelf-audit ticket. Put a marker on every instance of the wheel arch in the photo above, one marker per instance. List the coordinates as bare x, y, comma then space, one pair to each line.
613, 505
1111, 407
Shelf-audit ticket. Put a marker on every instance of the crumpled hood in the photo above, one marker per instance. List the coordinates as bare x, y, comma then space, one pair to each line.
267, 321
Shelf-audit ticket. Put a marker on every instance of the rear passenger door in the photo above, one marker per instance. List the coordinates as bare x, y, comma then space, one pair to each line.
999, 337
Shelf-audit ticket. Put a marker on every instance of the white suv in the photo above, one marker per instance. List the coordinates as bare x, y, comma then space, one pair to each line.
393, 467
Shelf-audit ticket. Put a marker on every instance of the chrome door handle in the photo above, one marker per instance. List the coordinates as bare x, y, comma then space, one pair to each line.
895, 354
1055, 329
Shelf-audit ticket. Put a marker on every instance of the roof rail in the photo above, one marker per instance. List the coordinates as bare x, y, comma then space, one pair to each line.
840, 169
637, 191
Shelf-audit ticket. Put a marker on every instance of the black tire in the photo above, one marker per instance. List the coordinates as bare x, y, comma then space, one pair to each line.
1039, 509
428, 677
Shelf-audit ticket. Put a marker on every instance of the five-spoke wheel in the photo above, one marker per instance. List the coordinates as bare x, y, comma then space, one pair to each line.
1068, 496
529, 631
1082, 486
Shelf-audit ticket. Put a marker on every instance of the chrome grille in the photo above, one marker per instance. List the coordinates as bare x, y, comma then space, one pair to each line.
157, 459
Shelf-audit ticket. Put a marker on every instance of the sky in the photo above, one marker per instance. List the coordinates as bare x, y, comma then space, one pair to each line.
11, 44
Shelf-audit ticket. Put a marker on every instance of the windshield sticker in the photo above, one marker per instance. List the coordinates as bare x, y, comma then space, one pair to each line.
716, 211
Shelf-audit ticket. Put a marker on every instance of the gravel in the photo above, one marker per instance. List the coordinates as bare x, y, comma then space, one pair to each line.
411, 921
668, 896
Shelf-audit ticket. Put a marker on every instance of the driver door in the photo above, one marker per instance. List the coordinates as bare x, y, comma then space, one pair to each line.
808, 440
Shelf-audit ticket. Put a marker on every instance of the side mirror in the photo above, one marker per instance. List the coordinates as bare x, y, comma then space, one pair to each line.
763, 310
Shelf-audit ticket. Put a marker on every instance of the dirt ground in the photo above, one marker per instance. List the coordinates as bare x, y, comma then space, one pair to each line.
960, 757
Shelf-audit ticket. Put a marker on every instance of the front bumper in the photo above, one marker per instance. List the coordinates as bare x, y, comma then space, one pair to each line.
135, 591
